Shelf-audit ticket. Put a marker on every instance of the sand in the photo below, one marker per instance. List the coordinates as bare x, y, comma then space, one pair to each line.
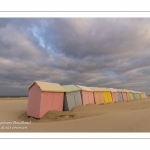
133, 116
14, 98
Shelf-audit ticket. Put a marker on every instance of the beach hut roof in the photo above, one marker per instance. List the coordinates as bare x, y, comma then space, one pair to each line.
124, 90
119, 90
85, 88
129, 90
141, 92
112, 90
134, 91
48, 87
97, 89
70, 88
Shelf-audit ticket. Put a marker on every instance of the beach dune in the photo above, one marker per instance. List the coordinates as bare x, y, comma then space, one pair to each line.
130, 116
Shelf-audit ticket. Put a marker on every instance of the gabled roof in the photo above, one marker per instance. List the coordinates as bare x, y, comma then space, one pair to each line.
84, 88
70, 88
128, 91
48, 87
124, 90
141, 92
119, 90
97, 89
133, 91
112, 90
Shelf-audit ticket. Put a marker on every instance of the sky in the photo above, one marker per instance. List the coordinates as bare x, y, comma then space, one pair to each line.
102, 52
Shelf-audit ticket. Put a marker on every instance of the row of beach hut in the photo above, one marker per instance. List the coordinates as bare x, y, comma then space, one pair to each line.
46, 96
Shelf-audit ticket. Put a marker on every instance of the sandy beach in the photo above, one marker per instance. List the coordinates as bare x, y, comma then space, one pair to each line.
14, 98
130, 116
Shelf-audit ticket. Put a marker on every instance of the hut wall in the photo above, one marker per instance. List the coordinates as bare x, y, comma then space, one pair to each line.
51, 101
124, 96
87, 97
34, 97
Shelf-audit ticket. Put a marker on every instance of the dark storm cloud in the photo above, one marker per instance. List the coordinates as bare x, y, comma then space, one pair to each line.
108, 52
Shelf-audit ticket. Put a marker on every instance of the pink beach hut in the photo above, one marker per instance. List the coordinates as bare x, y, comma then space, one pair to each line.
44, 96
87, 95
128, 94
145, 95
125, 95
98, 95
114, 94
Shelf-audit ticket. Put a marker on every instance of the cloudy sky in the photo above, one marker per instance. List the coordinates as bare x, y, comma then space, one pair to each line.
103, 52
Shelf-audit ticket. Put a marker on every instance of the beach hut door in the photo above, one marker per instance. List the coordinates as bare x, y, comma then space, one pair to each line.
77, 98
